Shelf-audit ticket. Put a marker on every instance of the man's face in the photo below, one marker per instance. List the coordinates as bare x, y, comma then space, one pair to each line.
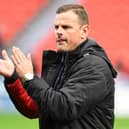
69, 32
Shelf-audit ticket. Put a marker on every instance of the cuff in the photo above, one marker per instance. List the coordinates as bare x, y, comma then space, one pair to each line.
11, 79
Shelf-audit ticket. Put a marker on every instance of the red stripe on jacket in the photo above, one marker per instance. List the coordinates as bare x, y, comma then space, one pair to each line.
23, 102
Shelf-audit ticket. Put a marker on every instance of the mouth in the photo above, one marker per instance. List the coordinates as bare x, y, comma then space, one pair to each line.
61, 41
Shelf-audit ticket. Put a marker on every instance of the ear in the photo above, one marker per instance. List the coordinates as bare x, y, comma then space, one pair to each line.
84, 31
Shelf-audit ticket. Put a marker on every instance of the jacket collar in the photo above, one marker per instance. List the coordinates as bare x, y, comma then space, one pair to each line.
51, 56
88, 46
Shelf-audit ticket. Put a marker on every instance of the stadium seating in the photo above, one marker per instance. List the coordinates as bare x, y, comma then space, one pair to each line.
14, 15
109, 26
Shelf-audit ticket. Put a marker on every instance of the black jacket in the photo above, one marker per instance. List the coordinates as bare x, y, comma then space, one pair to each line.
76, 90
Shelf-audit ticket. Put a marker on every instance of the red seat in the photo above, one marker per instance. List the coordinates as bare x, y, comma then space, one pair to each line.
109, 25
14, 14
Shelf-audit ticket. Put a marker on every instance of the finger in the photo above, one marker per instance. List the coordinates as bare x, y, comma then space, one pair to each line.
15, 57
18, 54
14, 60
29, 57
5, 55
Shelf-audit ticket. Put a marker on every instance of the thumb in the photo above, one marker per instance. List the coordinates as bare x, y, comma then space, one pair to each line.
29, 57
5, 55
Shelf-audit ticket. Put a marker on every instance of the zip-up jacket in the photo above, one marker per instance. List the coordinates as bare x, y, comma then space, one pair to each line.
76, 90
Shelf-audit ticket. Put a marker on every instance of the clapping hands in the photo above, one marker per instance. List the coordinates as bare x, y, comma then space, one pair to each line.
18, 61
6, 65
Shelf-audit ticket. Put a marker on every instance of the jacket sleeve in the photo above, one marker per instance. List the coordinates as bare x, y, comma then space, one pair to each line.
85, 88
20, 98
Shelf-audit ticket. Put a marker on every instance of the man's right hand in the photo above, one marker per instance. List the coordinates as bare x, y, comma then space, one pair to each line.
6, 65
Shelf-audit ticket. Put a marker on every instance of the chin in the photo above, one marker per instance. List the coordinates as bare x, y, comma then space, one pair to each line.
61, 49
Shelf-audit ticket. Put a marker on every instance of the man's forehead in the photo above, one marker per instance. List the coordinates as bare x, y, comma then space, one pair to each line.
68, 16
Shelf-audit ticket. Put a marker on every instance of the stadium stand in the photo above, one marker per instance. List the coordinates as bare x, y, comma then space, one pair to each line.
33, 19
109, 25
15, 14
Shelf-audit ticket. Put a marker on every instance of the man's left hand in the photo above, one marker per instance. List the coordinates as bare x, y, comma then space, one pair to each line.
22, 62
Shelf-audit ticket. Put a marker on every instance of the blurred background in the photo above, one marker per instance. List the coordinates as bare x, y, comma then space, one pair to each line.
29, 26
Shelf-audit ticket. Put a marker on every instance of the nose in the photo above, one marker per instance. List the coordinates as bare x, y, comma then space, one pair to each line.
59, 30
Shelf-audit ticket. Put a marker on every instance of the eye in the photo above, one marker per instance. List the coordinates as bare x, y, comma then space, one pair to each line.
56, 27
66, 27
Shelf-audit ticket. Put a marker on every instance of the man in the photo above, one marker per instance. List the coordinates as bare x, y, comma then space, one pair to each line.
76, 90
